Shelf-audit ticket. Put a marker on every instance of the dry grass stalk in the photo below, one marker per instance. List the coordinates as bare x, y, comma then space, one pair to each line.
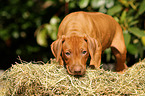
30, 78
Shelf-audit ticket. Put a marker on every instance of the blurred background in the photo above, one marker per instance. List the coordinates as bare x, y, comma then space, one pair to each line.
28, 27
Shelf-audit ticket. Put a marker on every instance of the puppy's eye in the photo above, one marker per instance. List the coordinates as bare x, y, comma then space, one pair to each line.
84, 52
67, 53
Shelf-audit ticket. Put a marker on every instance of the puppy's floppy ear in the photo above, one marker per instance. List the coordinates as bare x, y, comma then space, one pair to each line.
93, 45
56, 48
95, 49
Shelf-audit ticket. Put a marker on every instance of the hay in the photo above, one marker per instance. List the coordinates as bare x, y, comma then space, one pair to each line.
52, 79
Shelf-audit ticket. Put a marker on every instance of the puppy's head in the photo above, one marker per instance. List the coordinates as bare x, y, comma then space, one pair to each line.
74, 52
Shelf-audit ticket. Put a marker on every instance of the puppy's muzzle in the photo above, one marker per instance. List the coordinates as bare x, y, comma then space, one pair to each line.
76, 70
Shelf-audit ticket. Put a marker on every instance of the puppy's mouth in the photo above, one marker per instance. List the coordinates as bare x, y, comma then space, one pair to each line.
68, 70
72, 73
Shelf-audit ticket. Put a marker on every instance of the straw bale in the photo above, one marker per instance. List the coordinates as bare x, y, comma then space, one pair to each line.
29, 78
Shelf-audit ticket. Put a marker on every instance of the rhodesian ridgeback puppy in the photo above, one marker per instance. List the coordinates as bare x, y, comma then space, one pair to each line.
84, 34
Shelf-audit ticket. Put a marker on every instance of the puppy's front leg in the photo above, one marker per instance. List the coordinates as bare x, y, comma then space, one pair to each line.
96, 60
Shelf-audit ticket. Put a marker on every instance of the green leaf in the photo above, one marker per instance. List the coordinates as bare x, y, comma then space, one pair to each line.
83, 3
4, 34
51, 31
143, 40
123, 16
140, 49
132, 49
124, 2
97, 3
102, 9
25, 25
31, 49
41, 37
137, 32
141, 7
109, 3
72, 4
30, 3
115, 9
44, 31
15, 34
54, 20
127, 38
133, 22
116, 18
130, 19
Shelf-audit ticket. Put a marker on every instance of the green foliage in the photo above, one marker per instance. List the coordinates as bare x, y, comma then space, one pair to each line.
127, 37
47, 29
137, 32
21, 19
115, 9
83, 3
142, 8
18, 23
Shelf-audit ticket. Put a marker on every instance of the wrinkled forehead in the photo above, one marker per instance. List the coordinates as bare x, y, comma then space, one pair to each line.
74, 42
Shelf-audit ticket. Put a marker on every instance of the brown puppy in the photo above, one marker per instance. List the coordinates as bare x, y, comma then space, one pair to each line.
84, 34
